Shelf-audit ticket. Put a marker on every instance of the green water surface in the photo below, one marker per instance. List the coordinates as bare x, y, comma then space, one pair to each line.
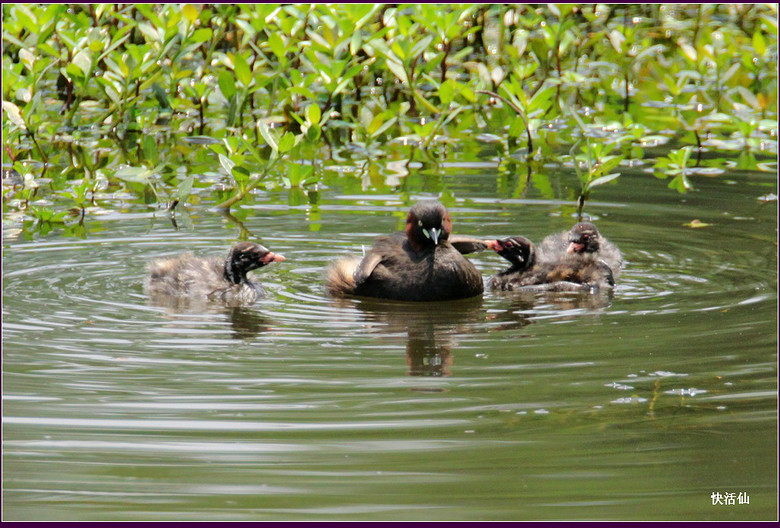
635, 406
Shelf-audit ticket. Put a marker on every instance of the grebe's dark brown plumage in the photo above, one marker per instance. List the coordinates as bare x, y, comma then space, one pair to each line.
214, 278
420, 265
569, 261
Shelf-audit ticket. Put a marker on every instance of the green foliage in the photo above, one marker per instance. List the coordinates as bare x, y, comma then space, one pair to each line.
676, 166
163, 101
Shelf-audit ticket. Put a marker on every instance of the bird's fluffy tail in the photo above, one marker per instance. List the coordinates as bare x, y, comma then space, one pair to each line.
340, 276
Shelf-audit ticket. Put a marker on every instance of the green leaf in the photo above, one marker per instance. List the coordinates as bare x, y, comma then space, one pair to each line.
376, 122
680, 183
697, 224
232, 111
27, 58
25, 18
276, 44
185, 188
134, 174
352, 71
240, 175
297, 174
355, 43
688, 50
728, 74
287, 142
120, 36
14, 114
190, 12
201, 35
380, 130
452, 115
398, 70
147, 11
149, 148
83, 60
108, 86
318, 40
749, 97
759, 43
42, 213
680, 156
603, 179
313, 114
24, 94
153, 34
227, 163
447, 92
540, 100
608, 163
227, 84
517, 127
421, 46
616, 38
161, 96
302, 90
468, 94
268, 135
243, 73
313, 133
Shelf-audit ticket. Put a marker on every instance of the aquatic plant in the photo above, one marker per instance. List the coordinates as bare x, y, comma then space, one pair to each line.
164, 103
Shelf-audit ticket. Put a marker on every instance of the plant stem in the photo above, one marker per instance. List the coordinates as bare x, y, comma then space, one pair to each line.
37, 146
519, 112
225, 206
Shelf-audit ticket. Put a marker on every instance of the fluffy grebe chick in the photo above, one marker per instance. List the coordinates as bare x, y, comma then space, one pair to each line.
214, 278
568, 261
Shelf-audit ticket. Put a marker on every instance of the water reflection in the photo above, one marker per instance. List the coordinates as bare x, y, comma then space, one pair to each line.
531, 300
428, 355
246, 322
434, 329
430, 328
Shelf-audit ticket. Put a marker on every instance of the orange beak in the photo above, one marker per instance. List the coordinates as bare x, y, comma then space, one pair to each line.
272, 257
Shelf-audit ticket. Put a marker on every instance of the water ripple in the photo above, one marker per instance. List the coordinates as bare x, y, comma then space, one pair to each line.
222, 425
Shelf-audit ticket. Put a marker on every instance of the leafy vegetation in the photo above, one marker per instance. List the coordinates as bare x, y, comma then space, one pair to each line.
106, 105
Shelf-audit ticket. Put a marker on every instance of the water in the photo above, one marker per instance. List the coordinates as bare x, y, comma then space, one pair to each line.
634, 406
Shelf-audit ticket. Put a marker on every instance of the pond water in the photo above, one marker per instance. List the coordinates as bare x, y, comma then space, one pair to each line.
638, 405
